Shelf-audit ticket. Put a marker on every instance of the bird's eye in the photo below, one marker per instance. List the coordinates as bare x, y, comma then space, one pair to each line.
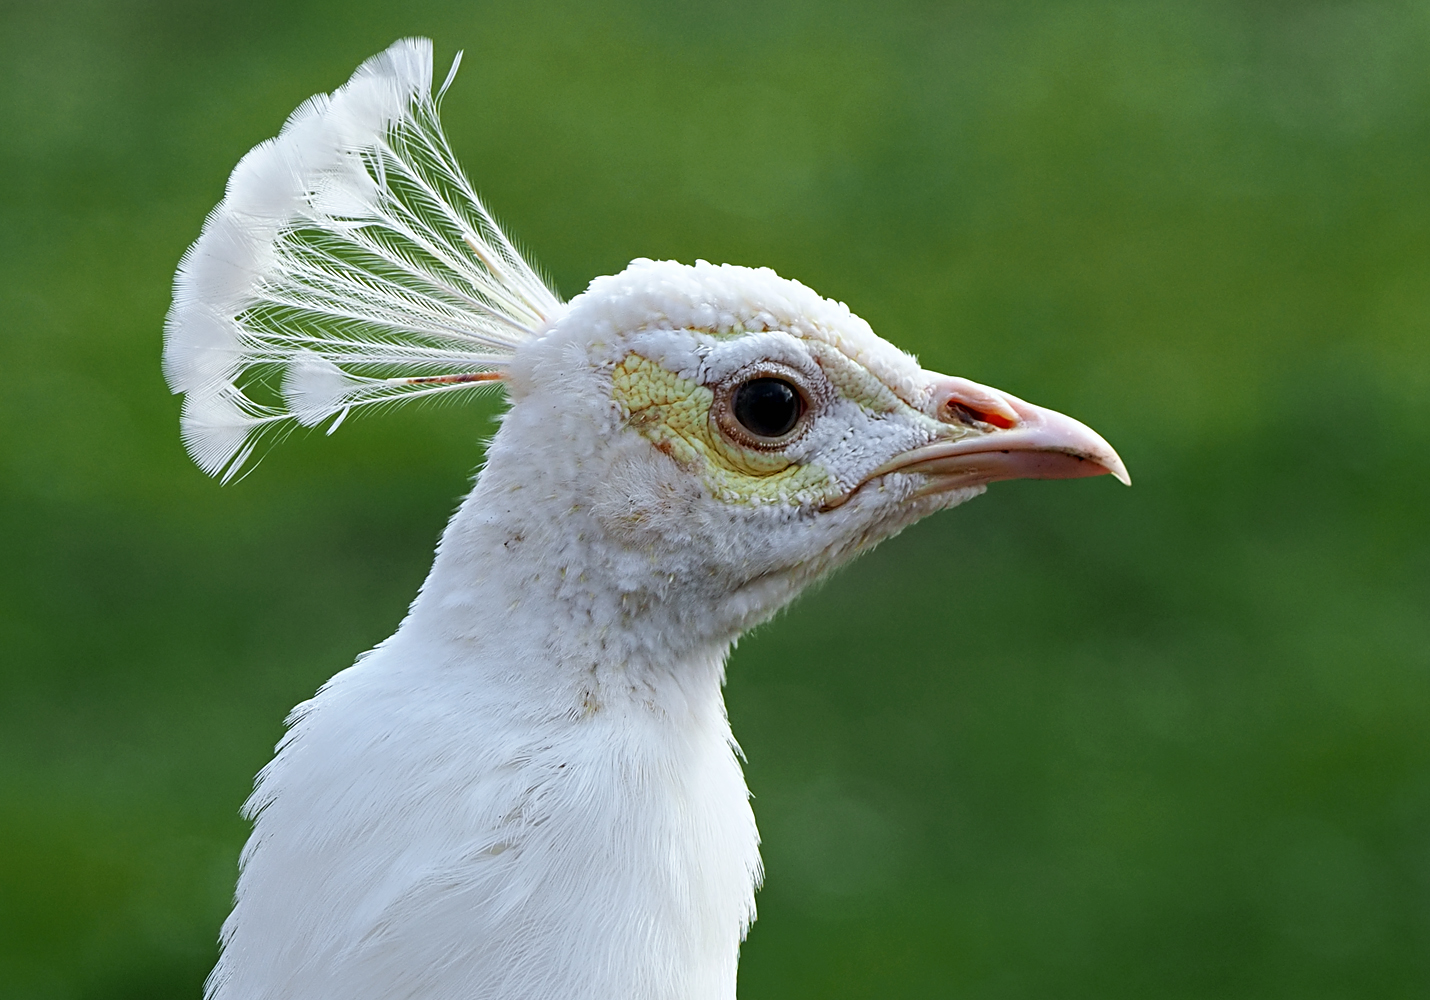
767, 407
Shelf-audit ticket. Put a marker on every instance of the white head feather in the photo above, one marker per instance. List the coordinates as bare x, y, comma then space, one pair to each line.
530, 792
349, 264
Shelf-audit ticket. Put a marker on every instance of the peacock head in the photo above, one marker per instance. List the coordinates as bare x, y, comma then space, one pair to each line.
734, 423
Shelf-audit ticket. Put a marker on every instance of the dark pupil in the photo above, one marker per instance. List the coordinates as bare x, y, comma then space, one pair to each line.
767, 407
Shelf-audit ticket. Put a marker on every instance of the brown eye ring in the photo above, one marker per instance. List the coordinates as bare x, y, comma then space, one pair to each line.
764, 409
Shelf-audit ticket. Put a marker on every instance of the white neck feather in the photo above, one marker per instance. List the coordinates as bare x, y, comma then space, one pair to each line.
529, 792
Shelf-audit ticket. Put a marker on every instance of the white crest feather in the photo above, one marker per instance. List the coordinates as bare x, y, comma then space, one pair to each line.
350, 263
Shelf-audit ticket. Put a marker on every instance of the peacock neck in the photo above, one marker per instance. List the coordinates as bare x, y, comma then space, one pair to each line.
522, 577
534, 777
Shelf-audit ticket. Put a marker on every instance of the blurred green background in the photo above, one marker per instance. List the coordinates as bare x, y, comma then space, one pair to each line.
1071, 740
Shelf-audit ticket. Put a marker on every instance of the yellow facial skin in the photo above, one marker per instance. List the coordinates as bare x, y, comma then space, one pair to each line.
674, 413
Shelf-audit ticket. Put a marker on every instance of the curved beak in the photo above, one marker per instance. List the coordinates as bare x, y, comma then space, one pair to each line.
1007, 439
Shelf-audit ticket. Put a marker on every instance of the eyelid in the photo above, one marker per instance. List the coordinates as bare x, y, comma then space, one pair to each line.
727, 359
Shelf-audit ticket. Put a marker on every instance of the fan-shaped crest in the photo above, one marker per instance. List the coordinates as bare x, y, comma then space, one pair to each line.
349, 264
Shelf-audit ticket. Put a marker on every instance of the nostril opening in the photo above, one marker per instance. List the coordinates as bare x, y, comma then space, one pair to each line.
961, 413
968, 416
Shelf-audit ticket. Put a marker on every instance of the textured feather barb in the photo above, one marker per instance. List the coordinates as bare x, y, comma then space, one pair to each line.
350, 264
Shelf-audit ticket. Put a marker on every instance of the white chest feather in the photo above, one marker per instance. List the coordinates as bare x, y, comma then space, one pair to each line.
418, 838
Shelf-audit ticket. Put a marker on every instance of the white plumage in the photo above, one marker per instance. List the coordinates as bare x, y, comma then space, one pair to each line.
531, 791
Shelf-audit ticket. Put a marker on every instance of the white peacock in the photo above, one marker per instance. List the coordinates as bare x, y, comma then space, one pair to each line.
531, 791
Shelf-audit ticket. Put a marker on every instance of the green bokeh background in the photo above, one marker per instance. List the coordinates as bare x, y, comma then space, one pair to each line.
1071, 740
